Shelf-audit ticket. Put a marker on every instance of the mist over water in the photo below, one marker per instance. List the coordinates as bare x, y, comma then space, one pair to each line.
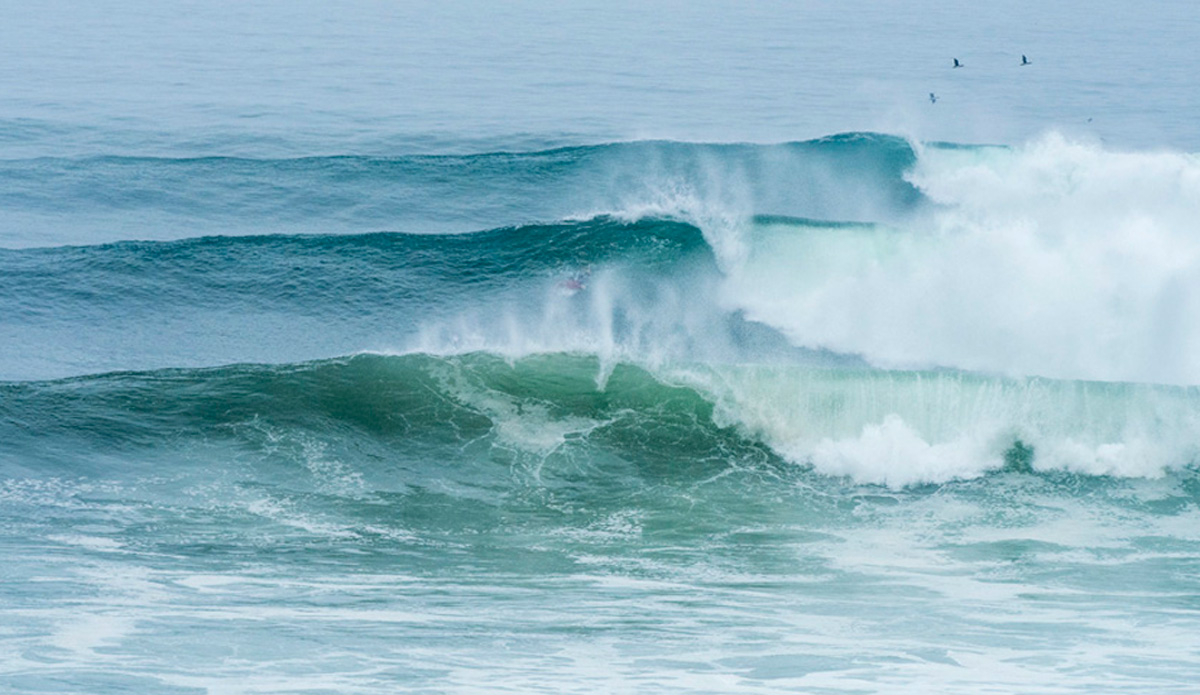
672, 347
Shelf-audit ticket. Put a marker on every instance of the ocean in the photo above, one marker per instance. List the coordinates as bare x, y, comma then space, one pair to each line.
536, 347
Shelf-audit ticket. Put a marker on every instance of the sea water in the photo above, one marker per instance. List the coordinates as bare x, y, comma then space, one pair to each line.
456, 347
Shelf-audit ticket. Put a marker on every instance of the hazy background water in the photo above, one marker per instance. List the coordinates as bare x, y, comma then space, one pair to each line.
309, 78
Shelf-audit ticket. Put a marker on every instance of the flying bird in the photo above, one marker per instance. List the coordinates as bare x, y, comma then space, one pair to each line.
932, 98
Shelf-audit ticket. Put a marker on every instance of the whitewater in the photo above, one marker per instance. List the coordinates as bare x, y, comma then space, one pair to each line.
455, 349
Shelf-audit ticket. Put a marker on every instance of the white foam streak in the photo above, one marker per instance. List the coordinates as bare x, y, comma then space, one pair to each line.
1135, 458
892, 453
905, 428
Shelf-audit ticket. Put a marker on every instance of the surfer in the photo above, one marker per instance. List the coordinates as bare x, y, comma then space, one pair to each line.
932, 98
1024, 60
577, 281
957, 64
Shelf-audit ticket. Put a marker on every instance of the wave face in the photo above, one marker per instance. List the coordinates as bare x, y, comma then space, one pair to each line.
649, 416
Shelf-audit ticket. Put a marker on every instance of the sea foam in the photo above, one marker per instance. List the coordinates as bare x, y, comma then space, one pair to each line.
1055, 258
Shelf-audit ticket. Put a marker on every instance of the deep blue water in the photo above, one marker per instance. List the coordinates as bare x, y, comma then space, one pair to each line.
684, 347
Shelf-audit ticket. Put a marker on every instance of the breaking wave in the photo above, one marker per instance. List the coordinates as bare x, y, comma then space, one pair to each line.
872, 426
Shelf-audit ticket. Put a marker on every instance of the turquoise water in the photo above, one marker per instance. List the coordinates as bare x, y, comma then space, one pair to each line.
450, 348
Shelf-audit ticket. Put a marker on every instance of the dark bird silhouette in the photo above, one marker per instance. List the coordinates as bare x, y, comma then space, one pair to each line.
957, 64
932, 98
1024, 60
